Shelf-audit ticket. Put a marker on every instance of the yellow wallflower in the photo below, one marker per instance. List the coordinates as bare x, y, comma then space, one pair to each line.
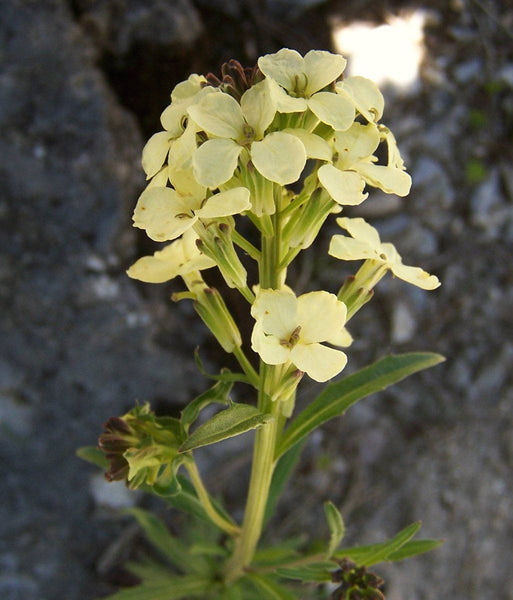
365, 244
290, 328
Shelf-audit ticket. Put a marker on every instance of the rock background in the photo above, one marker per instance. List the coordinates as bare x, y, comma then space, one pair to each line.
82, 84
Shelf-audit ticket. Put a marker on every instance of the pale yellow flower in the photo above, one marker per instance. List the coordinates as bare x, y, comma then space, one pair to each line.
174, 122
165, 214
365, 244
353, 165
278, 156
179, 258
364, 94
290, 328
303, 78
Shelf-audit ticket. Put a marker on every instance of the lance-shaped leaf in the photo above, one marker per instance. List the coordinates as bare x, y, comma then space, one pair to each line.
93, 455
269, 588
336, 525
219, 394
166, 586
337, 397
158, 534
317, 572
375, 553
228, 423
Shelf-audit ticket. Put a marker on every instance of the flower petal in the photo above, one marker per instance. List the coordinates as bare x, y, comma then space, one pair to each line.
178, 258
163, 213
218, 114
155, 152
215, 161
345, 187
346, 248
276, 311
357, 143
268, 347
258, 107
189, 87
231, 202
322, 68
361, 231
365, 95
283, 66
415, 276
332, 109
319, 362
319, 314
388, 179
314, 145
283, 102
279, 157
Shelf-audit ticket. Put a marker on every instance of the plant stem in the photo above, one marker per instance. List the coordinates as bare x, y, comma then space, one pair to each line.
247, 367
204, 498
261, 476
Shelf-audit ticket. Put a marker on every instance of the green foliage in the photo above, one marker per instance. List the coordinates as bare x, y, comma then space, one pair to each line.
336, 526
337, 397
237, 419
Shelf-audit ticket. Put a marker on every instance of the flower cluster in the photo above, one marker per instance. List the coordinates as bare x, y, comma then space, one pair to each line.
231, 147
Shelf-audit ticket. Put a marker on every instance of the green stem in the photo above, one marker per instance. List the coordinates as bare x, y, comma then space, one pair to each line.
248, 247
204, 498
246, 366
261, 476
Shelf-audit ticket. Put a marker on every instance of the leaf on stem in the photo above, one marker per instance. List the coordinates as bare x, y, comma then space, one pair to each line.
219, 393
397, 548
158, 534
228, 423
337, 397
336, 525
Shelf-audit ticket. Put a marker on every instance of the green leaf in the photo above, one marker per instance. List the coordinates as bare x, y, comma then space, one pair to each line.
93, 455
270, 589
158, 534
208, 550
228, 423
336, 525
414, 547
225, 375
283, 470
219, 393
337, 397
318, 572
166, 587
375, 553
187, 501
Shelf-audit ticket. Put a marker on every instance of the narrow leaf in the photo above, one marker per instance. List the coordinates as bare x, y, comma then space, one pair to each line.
317, 572
225, 375
336, 525
270, 589
228, 423
158, 534
166, 587
375, 553
93, 455
337, 397
219, 394
283, 470
414, 547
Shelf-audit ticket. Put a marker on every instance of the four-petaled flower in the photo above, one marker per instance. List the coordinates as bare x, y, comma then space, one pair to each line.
278, 156
178, 258
365, 244
165, 214
303, 78
353, 165
290, 328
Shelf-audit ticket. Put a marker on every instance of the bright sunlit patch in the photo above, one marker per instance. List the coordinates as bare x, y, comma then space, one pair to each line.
389, 53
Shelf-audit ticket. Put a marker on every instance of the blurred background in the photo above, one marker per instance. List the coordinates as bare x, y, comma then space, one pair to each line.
82, 86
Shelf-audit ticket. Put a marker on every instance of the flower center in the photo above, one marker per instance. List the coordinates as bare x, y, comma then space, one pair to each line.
293, 339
